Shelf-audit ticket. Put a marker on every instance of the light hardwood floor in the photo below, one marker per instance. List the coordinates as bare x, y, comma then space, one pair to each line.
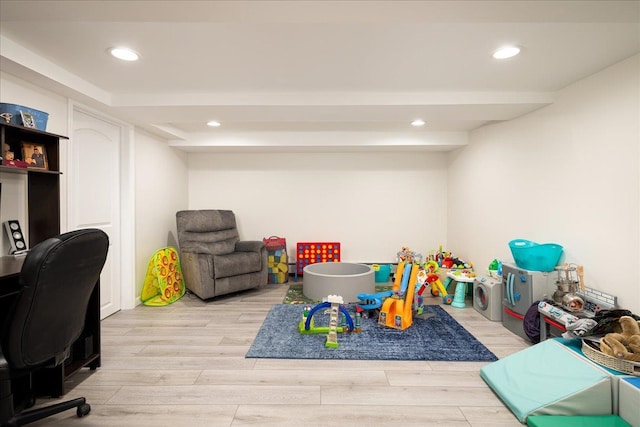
184, 365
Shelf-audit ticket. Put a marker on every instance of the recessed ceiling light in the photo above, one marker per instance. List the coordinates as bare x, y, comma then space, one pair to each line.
418, 122
124, 53
506, 52
213, 123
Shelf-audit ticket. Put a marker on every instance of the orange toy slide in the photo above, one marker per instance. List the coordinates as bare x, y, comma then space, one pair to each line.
396, 311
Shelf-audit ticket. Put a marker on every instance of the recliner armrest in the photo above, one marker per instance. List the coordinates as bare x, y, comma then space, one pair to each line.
249, 246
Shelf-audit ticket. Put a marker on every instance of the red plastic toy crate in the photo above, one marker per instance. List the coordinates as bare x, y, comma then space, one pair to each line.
315, 252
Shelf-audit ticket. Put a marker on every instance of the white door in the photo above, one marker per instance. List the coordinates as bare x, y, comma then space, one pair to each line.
94, 194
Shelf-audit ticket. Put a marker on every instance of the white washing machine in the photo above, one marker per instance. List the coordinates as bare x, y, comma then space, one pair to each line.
487, 297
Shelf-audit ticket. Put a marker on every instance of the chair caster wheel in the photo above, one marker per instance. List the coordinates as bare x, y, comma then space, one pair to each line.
83, 410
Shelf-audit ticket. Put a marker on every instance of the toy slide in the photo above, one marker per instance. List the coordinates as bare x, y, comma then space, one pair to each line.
373, 301
163, 283
396, 311
405, 277
399, 276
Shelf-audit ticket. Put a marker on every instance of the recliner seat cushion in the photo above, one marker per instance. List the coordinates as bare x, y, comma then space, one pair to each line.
236, 263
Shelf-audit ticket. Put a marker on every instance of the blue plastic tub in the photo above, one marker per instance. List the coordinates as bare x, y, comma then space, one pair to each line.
40, 117
381, 273
535, 256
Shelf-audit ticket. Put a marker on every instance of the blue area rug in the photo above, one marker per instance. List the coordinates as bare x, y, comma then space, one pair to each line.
436, 337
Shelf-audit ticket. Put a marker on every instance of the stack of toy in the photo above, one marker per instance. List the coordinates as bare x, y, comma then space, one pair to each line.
278, 269
407, 255
448, 260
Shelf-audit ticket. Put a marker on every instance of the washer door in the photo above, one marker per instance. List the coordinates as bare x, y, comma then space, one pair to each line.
481, 297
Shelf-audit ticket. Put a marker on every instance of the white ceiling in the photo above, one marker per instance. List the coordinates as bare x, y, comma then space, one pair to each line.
315, 67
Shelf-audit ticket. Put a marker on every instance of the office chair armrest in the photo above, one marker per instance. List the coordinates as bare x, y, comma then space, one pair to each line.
249, 246
5, 373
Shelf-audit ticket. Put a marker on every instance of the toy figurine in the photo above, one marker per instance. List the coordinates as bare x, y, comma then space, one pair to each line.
10, 161
7, 117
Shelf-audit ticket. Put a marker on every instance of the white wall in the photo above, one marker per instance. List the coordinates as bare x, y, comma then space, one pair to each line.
372, 203
14, 90
160, 188
567, 173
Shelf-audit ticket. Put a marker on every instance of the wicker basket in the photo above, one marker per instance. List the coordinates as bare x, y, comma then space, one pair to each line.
594, 354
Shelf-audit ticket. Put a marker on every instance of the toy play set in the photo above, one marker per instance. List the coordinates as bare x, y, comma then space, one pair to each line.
592, 389
581, 378
394, 308
335, 305
397, 310
597, 376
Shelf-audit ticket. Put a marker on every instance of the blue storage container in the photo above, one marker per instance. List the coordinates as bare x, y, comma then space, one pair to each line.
16, 118
535, 256
381, 273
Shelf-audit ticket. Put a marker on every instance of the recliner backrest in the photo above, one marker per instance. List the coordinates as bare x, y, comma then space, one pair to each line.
57, 279
207, 231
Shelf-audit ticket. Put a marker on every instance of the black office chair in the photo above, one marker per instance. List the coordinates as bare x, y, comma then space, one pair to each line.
56, 280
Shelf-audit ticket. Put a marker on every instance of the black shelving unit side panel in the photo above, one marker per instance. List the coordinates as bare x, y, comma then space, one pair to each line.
44, 207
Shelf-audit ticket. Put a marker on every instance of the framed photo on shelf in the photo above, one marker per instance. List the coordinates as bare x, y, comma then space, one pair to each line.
28, 120
35, 155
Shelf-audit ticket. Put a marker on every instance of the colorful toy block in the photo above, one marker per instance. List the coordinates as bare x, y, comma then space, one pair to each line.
277, 266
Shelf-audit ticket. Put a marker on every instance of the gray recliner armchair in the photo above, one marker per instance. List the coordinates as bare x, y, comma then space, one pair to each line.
214, 260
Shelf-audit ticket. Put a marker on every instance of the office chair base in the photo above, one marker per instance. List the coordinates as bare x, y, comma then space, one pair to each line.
81, 405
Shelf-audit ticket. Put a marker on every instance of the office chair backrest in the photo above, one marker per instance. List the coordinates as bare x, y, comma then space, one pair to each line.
57, 279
